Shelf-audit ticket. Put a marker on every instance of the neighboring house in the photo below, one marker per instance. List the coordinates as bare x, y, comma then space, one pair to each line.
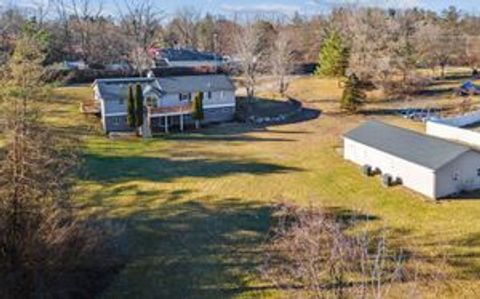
168, 100
75, 65
119, 67
429, 165
183, 57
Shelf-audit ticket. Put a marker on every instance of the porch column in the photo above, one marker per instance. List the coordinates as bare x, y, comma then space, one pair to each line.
181, 122
166, 124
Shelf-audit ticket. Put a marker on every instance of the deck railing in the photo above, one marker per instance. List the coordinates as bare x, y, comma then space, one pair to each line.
172, 110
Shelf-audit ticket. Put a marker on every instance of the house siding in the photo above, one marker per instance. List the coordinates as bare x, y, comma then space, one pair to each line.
116, 124
213, 115
218, 98
413, 176
114, 106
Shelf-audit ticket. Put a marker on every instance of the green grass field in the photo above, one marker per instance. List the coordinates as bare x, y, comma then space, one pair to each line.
195, 207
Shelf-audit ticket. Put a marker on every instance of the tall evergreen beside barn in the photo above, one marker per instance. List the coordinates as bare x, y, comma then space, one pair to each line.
353, 95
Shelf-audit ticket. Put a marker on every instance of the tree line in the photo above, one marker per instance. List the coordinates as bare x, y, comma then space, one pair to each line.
382, 47
84, 29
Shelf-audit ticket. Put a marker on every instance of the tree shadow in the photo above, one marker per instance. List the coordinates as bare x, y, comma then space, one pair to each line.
199, 248
108, 169
191, 249
467, 257
236, 132
285, 112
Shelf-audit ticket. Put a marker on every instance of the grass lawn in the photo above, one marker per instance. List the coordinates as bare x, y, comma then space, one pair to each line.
195, 207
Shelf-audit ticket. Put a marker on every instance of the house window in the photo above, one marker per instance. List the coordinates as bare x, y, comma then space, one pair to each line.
221, 95
209, 95
185, 96
121, 101
116, 121
478, 172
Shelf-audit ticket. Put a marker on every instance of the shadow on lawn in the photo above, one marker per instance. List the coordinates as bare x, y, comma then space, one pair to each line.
468, 262
189, 249
202, 248
117, 169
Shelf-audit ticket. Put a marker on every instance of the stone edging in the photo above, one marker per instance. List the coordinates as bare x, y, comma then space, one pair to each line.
280, 117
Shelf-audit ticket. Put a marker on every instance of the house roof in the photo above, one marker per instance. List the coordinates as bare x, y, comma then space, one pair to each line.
125, 80
184, 54
113, 89
195, 83
430, 152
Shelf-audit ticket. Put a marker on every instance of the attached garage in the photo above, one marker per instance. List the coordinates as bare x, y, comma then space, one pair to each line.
434, 167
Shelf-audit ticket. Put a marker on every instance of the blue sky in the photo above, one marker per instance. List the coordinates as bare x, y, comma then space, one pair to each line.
308, 6
284, 6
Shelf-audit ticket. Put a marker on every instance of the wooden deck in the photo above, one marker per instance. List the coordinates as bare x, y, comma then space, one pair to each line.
90, 107
173, 110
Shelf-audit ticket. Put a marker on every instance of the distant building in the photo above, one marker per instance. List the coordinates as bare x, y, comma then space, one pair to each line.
168, 100
73, 65
432, 166
183, 57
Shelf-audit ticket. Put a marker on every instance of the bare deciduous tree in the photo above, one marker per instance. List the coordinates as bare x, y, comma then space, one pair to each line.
141, 24
250, 55
184, 25
85, 25
310, 251
281, 57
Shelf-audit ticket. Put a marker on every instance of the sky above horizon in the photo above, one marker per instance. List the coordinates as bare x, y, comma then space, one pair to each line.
311, 6
288, 7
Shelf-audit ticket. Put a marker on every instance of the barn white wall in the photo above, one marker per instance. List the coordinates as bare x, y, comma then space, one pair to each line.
414, 176
467, 167
462, 120
450, 132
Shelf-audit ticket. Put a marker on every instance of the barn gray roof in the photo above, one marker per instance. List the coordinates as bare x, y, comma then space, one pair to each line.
428, 151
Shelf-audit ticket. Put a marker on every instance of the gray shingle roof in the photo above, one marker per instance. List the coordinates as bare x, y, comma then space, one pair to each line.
112, 89
173, 54
428, 151
195, 83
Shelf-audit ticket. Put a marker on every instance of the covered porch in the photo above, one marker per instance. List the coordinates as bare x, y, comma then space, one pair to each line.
164, 118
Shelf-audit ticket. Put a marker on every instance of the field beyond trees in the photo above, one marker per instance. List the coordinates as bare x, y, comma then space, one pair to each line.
196, 207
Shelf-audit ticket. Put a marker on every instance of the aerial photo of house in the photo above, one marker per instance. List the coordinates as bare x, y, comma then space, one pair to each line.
239, 149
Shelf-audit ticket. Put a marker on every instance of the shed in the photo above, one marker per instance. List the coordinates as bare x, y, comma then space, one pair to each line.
432, 166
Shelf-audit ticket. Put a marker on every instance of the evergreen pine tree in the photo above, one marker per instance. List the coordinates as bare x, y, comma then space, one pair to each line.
353, 96
131, 118
138, 106
197, 113
333, 57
